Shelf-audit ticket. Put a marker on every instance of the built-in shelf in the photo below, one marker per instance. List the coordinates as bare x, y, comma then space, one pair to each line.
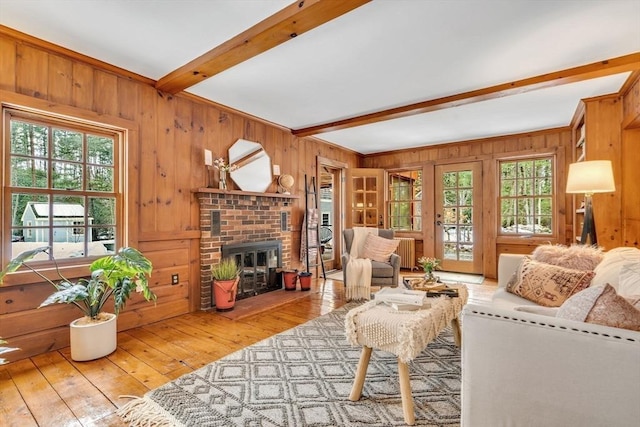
244, 193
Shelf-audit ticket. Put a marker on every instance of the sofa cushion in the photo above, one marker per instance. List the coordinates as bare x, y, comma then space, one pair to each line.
629, 279
378, 248
577, 257
608, 271
603, 306
546, 284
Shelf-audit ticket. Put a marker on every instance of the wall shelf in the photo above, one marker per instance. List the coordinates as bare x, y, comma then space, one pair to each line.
244, 193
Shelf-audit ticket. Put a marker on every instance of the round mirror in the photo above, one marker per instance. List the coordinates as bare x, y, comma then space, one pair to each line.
253, 171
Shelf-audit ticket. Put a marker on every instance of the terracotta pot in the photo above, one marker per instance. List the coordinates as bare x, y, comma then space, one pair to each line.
305, 281
224, 292
93, 339
290, 279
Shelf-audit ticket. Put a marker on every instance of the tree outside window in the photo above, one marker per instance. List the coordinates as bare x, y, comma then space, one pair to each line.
526, 197
63, 186
405, 200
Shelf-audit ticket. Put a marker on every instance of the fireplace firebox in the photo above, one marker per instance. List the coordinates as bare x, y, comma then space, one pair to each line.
259, 264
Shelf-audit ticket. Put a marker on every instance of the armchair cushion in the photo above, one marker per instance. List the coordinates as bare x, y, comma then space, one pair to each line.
378, 248
546, 284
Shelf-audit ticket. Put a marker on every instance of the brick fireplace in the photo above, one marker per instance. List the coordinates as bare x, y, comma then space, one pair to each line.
229, 217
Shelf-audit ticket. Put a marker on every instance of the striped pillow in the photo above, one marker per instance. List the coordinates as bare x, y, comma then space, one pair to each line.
378, 248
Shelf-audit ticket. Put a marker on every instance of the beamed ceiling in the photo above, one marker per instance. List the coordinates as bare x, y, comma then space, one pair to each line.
371, 76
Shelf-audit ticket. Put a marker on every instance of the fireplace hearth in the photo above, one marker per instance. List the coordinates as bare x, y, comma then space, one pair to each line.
259, 265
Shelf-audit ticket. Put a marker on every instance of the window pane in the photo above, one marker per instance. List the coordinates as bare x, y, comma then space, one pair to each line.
450, 215
449, 179
508, 188
465, 179
466, 215
29, 173
67, 145
29, 139
525, 169
466, 197
100, 178
449, 198
67, 175
100, 150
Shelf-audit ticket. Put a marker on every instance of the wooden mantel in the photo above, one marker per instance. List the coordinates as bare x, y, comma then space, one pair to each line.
244, 193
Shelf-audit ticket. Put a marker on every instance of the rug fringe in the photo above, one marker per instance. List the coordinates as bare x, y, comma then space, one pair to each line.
143, 412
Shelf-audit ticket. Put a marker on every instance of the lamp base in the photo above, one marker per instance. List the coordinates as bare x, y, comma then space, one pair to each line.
589, 235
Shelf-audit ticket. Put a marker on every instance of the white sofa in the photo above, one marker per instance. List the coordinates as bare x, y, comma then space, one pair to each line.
529, 369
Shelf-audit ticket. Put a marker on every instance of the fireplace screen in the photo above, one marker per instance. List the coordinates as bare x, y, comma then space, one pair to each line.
259, 263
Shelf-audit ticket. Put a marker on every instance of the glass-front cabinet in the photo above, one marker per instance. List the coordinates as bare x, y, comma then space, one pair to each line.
366, 203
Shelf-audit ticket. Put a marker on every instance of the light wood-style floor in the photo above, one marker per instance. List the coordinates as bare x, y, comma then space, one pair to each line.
52, 390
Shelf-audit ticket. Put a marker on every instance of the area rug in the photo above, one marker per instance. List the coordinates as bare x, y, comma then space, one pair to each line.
303, 377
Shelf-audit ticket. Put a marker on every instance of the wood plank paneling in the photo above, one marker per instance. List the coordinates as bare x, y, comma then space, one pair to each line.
489, 150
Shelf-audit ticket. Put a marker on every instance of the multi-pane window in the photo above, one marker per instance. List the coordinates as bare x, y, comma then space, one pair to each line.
526, 197
63, 186
405, 200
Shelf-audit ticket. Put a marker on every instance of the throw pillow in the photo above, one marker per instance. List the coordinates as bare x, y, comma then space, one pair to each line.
378, 248
629, 279
546, 284
603, 306
608, 271
577, 257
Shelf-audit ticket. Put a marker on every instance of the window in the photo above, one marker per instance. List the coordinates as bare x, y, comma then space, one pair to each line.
405, 200
526, 197
63, 186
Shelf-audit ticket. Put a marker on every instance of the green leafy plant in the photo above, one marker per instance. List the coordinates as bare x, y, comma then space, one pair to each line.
114, 276
429, 264
227, 269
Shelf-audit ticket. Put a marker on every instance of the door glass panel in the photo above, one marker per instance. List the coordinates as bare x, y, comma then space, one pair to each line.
457, 222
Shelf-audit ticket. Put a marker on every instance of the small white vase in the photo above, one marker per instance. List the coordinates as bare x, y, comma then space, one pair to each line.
93, 340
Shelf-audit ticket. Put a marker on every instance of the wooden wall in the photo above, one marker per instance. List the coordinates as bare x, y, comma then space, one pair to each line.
613, 133
168, 135
487, 151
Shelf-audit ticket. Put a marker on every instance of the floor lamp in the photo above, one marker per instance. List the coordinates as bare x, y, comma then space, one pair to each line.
595, 176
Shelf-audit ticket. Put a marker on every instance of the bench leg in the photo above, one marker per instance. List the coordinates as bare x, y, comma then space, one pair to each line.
405, 392
457, 333
356, 390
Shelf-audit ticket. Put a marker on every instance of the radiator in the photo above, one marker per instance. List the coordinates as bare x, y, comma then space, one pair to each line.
407, 251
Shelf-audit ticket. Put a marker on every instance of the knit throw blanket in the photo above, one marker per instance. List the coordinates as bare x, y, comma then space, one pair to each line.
359, 269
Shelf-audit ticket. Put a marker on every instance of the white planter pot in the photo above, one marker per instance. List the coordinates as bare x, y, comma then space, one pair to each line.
91, 341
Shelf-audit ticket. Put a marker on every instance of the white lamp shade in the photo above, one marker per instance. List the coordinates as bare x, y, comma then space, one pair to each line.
595, 176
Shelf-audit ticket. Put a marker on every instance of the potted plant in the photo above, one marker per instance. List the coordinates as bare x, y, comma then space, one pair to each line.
226, 276
113, 276
290, 278
429, 265
305, 280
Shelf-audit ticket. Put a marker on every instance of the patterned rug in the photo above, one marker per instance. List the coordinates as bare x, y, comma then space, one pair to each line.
303, 377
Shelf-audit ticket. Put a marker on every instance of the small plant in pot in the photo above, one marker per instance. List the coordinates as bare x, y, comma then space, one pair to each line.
305, 280
112, 277
226, 276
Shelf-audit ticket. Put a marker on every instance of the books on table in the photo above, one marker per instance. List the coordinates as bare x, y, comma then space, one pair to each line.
401, 297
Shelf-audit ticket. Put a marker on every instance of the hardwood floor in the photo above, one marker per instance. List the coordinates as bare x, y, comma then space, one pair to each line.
52, 390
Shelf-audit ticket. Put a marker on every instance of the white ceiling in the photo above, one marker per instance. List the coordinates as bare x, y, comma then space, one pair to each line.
385, 54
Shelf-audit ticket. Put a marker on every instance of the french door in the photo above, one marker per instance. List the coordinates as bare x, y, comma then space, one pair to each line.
458, 207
